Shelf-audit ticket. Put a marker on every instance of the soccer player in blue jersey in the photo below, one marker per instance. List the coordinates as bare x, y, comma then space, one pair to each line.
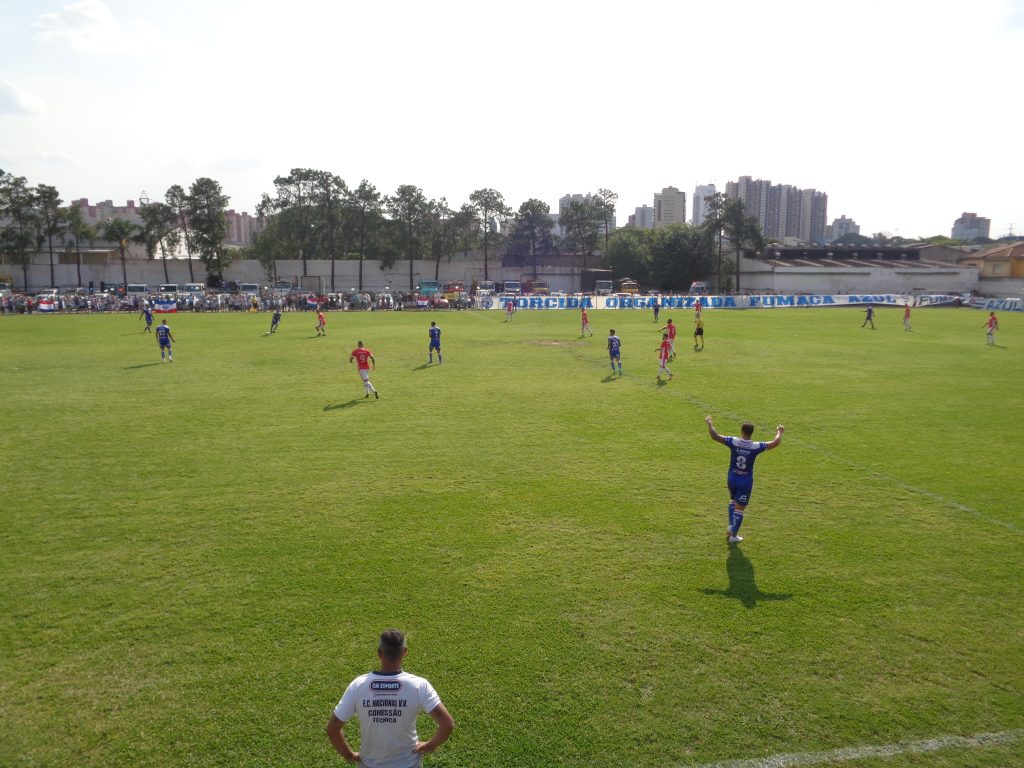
869, 317
147, 312
614, 347
435, 343
743, 452
164, 337
275, 320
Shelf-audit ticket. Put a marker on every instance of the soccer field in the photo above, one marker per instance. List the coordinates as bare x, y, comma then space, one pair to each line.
198, 557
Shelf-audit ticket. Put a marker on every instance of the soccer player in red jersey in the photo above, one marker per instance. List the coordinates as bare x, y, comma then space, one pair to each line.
663, 355
365, 363
321, 323
671, 328
584, 324
991, 326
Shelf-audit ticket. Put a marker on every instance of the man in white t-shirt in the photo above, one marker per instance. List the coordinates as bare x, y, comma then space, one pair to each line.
387, 703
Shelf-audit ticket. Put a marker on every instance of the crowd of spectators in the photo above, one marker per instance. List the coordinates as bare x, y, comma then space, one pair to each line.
83, 301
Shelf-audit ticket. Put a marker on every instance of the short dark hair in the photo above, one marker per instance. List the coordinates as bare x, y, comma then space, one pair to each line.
747, 428
392, 643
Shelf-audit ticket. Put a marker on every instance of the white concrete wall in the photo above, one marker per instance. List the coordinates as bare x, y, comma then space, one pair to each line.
142, 270
756, 276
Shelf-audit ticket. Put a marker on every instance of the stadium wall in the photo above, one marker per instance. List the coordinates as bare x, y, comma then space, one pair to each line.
107, 269
755, 276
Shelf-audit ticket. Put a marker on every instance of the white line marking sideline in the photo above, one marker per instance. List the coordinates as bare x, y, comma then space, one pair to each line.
862, 753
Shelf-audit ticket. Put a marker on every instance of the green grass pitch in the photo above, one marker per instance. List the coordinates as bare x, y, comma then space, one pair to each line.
197, 557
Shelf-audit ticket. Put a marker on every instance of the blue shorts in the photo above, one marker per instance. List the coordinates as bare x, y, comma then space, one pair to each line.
435, 345
613, 355
740, 488
165, 343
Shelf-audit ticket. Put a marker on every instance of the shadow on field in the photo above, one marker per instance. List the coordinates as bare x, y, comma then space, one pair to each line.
611, 377
741, 582
424, 366
349, 404
143, 365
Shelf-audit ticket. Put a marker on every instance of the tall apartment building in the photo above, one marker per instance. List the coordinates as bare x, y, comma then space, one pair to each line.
971, 226
669, 207
96, 215
782, 210
700, 202
642, 217
843, 226
241, 226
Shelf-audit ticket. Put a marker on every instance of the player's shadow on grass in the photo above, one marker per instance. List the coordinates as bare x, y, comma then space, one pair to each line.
143, 365
741, 582
423, 367
611, 377
349, 404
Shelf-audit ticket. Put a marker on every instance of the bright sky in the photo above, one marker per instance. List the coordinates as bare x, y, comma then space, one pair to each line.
906, 112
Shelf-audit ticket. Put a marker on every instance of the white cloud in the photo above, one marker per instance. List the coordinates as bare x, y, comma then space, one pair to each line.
14, 101
90, 27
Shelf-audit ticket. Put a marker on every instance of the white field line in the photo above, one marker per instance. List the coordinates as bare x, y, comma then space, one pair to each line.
873, 473
845, 754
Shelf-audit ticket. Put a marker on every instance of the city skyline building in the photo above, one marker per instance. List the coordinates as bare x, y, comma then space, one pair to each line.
642, 217
782, 211
700, 202
971, 226
841, 227
241, 230
669, 207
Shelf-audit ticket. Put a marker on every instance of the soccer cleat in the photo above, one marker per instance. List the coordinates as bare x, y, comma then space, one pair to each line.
670, 376
735, 539
367, 397
376, 395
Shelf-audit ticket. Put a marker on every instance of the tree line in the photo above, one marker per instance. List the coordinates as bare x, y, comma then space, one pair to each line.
34, 219
314, 214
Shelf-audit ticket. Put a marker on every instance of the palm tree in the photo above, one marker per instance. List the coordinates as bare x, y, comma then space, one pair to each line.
120, 231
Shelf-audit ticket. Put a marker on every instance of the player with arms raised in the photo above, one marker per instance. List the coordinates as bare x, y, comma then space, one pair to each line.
741, 470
